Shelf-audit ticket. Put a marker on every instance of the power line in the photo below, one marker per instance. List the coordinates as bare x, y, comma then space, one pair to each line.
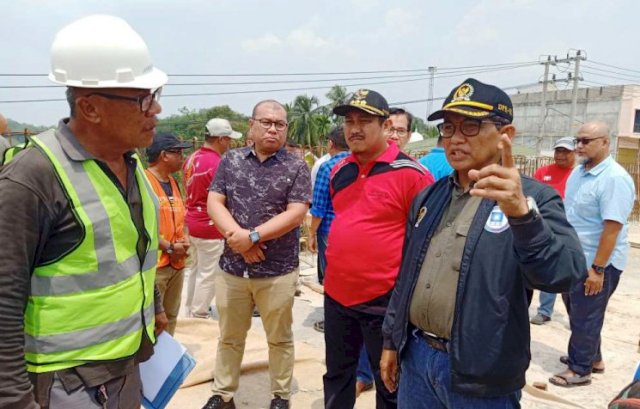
238, 83
613, 72
446, 75
422, 70
611, 76
614, 66
231, 92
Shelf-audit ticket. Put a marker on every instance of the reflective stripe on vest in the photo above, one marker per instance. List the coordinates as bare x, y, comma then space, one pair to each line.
93, 303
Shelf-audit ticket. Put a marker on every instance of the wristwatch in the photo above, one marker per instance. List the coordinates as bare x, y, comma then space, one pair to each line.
598, 269
254, 236
532, 215
169, 249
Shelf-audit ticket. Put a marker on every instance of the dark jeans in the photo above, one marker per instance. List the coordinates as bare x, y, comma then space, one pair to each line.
425, 382
322, 260
586, 316
345, 329
363, 373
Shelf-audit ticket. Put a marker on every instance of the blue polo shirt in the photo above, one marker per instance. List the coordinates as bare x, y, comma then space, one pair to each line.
605, 192
321, 206
436, 162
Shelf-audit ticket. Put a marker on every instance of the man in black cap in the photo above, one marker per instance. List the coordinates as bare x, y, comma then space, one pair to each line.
165, 157
371, 192
476, 240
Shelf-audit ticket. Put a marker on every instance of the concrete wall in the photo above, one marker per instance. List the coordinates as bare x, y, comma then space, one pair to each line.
602, 103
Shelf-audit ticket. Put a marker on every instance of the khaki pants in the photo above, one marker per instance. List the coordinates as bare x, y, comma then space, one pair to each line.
205, 255
235, 299
169, 283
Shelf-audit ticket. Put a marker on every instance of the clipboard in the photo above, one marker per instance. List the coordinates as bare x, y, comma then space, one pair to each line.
163, 374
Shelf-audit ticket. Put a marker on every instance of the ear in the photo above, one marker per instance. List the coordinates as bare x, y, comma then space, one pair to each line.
87, 110
387, 124
510, 130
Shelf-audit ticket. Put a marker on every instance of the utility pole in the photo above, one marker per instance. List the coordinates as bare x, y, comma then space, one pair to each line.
432, 72
543, 103
574, 96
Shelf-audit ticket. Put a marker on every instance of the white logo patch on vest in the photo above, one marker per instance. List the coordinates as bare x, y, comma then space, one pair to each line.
497, 221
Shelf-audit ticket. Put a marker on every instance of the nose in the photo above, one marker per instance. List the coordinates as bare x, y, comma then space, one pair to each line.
155, 108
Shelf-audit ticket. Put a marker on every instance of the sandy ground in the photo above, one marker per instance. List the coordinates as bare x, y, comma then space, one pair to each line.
619, 337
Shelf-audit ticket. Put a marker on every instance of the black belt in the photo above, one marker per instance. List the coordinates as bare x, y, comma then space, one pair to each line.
433, 341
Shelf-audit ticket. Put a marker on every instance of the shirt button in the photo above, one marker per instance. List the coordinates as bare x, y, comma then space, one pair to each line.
362, 176
448, 224
428, 285
438, 253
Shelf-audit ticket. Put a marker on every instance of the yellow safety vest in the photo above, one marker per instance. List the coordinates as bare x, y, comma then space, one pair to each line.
93, 303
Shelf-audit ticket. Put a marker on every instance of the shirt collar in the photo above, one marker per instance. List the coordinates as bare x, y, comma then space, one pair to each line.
596, 170
388, 156
437, 149
72, 147
280, 154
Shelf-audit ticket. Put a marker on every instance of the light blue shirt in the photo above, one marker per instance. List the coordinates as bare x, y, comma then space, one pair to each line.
436, 162
605, 192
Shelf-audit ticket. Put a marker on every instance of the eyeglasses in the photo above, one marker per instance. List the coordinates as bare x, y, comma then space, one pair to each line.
144, 101
401, 132
468, 127
266, 124
586, 141
176, 151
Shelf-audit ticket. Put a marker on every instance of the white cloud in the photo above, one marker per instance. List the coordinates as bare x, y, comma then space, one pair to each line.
306, 38
268, 41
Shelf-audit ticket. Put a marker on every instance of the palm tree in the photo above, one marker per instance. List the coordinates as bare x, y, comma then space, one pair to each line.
337, 95
303, 126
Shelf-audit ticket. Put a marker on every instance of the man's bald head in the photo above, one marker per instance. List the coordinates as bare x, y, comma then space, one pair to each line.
594, 129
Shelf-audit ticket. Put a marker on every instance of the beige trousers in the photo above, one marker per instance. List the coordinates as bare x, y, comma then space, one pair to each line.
169, 283
205, 255
235, 299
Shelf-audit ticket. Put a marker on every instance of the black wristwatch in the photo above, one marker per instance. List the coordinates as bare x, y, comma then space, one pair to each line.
254, 236
598, 269
531, 215
169, 249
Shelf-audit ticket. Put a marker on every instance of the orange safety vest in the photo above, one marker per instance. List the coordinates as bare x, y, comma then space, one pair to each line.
171, 218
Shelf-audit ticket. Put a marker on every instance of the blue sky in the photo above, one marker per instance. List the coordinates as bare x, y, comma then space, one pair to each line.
233, 37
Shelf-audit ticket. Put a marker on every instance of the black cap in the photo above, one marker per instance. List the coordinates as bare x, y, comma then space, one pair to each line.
475, 99
365, 100
163, 142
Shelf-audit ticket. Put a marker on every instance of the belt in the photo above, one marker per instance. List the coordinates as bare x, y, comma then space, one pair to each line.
437, 343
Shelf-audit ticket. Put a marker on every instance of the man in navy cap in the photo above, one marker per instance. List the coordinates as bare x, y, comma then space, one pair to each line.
457, 321
165, 157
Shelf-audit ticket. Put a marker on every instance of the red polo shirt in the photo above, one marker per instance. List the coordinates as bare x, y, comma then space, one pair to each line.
199, 170
371, 204
555, 176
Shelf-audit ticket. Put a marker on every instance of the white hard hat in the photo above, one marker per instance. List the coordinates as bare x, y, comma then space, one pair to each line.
101, 51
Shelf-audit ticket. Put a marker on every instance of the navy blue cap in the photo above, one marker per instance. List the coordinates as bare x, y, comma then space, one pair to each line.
475, 99
365, 100
164, 142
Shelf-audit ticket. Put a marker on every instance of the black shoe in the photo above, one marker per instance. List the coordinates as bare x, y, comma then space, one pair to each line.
255, 312
216, 402
279, 403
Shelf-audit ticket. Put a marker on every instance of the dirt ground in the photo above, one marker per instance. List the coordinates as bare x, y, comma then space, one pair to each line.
619, 344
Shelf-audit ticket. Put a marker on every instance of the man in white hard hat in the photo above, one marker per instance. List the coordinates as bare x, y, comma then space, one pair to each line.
79, 310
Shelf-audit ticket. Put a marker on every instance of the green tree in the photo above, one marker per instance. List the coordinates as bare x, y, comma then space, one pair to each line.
190, 124
303, 116
337, 95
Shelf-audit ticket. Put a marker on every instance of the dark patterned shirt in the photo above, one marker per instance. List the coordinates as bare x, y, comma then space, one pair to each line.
256, 192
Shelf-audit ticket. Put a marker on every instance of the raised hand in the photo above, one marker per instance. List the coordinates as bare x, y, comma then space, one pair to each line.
501, 182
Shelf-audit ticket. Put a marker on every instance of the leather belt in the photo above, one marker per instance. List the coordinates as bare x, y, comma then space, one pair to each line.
437, 343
